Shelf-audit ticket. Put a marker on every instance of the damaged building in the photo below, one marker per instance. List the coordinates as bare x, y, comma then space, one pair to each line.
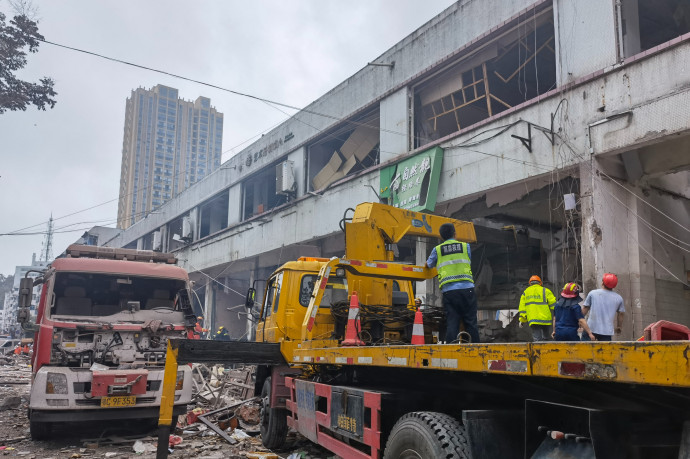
559, 128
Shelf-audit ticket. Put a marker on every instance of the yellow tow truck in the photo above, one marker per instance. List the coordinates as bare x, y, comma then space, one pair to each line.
386, 398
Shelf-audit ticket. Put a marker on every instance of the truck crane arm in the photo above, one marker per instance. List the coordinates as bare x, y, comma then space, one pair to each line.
374, 226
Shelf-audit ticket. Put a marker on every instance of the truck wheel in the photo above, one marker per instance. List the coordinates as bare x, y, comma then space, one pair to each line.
39, 430
273, 420
424, 434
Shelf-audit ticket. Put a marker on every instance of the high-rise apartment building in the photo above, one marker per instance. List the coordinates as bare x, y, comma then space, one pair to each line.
169, 144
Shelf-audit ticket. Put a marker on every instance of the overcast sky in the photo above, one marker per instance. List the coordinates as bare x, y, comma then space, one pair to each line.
67, 159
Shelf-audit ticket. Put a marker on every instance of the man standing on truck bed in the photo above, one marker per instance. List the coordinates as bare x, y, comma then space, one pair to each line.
456, 283
604, 306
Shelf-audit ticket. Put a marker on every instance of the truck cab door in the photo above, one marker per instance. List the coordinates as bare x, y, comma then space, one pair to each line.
267, 328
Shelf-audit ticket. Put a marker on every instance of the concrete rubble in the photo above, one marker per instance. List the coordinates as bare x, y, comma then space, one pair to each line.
216, 389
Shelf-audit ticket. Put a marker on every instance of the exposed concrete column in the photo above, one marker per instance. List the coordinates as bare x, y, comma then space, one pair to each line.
234, 204
194, 217
251, 329
394, 127
210, 307
642, 306
614, 240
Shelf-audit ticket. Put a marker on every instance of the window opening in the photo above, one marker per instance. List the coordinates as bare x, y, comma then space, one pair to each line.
649, 23
268, 301
259, 193
213, 214
515, 67
278, 284
349, 148
175, 229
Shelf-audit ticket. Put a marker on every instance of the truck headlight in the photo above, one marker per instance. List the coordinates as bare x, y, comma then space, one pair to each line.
56, 383
179, 383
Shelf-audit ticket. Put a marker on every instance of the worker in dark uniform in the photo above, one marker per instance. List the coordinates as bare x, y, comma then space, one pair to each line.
452, 259
222, 334
568, 317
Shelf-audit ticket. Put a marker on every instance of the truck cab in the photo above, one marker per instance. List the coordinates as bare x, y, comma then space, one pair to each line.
100, 337
286, 299
290, 290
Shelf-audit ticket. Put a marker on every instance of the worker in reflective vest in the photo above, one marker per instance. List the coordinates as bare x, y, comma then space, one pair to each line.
198, 328
536, 308
452, 258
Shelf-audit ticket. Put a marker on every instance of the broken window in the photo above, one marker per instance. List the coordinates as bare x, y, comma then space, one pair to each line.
174, 232
259, 193
147, 243
213, 214
515, 67
350, 148
649, 23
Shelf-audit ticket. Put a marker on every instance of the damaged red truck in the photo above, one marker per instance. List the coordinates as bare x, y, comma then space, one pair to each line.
102, 325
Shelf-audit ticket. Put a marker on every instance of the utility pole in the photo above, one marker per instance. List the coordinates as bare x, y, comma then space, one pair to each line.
47, 252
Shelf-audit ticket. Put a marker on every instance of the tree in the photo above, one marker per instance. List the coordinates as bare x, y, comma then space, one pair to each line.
16, 94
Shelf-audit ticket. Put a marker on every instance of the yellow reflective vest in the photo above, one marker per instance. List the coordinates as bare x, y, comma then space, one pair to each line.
536, 305
453, 263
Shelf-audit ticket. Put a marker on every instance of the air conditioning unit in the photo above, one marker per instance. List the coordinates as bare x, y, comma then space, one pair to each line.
157, 241
285, 178
187, 230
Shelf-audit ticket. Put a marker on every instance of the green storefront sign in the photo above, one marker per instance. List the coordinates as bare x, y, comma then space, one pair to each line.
413, 183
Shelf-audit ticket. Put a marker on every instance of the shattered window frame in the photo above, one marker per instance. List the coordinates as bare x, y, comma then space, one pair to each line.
350, 147
516, 65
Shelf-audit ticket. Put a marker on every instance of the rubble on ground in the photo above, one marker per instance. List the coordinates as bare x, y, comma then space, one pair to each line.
227, 392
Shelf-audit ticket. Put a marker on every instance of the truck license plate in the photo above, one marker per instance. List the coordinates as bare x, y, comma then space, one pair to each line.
118, 402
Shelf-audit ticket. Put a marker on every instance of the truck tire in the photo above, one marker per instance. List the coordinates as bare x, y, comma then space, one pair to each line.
40, 430
274, 426
425, 434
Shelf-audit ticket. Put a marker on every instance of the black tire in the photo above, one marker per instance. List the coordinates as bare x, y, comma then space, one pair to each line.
40, 430
427, 435
274, 426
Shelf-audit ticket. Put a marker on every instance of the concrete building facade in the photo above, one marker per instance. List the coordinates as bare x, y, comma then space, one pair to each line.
564, 135
169, 144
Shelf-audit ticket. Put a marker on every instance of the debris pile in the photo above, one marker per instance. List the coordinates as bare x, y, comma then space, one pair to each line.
223, 422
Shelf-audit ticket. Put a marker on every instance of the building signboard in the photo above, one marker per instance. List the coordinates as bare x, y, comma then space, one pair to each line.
412, 184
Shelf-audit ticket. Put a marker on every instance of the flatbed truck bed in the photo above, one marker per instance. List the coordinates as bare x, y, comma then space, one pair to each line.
661, 363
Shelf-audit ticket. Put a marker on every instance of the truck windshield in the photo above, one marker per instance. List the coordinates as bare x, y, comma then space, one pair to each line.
87, 294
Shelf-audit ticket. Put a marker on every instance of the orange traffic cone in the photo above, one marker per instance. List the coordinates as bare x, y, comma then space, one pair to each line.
353, 325
418, 328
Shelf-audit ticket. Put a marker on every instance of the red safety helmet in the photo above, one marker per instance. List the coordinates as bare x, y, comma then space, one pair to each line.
534, 279
570, 290
610, 280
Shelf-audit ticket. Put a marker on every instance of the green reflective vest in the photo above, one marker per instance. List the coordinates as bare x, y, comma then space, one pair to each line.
453, 262
536, 305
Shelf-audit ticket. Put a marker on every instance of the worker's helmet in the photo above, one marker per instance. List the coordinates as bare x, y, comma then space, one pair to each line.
535, 280
610, 280
220, 328
570, 290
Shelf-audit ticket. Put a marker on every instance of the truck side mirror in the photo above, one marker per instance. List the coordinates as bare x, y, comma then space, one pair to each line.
249, 301
26, 290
